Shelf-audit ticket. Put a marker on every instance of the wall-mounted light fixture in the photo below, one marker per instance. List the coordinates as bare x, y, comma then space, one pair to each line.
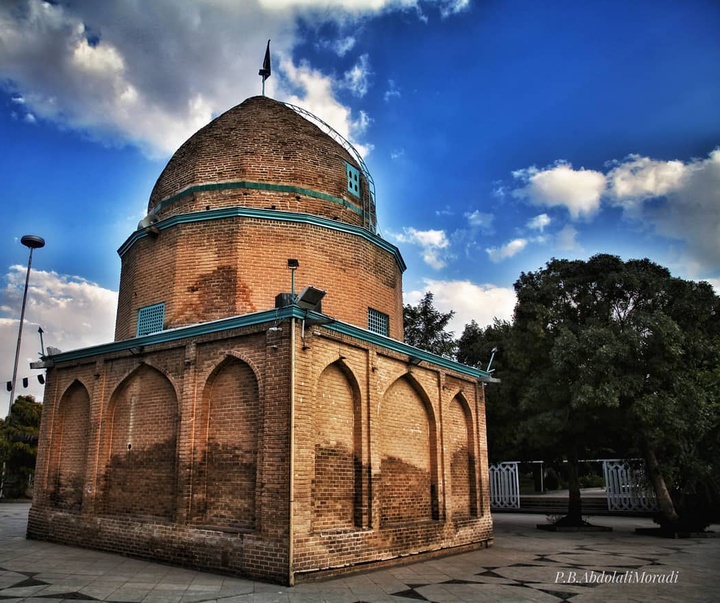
310, 298
292, 265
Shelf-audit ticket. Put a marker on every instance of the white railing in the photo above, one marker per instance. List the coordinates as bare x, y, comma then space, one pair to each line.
504, 486
626, 487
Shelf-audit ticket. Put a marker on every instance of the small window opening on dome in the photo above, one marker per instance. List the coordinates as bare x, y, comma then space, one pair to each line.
353, 179
378, 322
150, 319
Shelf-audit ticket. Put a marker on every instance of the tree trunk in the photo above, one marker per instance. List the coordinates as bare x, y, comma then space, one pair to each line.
574, 515
666, 508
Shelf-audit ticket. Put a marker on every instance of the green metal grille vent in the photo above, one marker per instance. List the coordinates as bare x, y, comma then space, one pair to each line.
378, 322
150, 319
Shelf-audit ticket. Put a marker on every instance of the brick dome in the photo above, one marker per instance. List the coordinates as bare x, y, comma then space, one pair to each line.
259, 185
263, 146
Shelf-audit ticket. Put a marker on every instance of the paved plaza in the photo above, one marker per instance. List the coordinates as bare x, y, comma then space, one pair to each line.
525, 564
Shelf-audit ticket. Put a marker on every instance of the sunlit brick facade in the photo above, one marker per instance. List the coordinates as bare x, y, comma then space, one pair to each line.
224, 431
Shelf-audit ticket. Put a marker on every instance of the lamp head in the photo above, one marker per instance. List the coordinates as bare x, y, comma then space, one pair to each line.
33, 241
310, 298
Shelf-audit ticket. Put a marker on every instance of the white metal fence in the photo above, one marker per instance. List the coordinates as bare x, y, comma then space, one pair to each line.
504, 486
625, 486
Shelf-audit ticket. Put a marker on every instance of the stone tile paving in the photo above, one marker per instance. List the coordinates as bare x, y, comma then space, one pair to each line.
525, 564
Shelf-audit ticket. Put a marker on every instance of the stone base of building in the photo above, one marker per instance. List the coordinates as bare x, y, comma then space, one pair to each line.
403, 559
251, 555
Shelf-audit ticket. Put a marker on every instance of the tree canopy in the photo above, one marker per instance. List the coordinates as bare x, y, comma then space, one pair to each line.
607, 354
18, 445
425, 326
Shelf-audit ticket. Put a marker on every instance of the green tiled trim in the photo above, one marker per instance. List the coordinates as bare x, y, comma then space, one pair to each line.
266, 214
262, 186
271, 316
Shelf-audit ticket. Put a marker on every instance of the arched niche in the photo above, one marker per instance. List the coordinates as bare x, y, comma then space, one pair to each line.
408, 489
460, 448
140, 446
225, 477
337, 447
70, 448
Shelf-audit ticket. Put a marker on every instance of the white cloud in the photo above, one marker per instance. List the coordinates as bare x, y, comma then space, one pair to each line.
72, 312
539, 222
151, 74
678, 200
447, 8
140, 82
498, 254
638, 178
392, 91
566, 239
469, 301
434, 244
559, 185
478, 219
452, 7
356, 79
318, 98
340, 46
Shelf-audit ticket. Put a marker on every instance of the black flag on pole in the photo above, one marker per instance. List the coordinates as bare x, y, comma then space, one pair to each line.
266, 69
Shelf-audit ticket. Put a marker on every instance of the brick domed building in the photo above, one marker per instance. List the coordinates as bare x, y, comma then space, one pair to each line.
241, 421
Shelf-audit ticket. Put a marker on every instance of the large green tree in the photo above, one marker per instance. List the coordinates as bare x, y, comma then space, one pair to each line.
425, 326
622, 354
505, 426
18, 445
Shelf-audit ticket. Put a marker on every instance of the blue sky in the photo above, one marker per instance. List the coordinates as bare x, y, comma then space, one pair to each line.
500, 134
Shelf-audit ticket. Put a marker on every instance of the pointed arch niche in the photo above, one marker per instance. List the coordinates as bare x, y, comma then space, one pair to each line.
226, 473
408, 451
337, 484
141, 446
460, 447
72, 429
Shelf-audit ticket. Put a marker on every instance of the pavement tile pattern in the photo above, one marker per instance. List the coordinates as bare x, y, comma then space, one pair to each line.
525, 564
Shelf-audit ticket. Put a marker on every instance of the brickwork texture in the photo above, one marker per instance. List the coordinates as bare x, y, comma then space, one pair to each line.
276, 450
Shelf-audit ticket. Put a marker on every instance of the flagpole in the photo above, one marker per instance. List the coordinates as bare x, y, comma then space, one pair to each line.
266, 67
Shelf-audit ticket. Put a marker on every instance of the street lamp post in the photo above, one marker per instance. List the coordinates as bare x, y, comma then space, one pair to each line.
32, 242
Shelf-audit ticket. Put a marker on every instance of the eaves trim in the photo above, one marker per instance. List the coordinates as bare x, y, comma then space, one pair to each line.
272, 316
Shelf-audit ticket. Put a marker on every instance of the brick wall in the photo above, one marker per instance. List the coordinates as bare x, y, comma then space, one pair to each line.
68, 470
365, 426
209, 270
408, 456
205, 481
406, 426
227, 448
335, 479
139, 447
